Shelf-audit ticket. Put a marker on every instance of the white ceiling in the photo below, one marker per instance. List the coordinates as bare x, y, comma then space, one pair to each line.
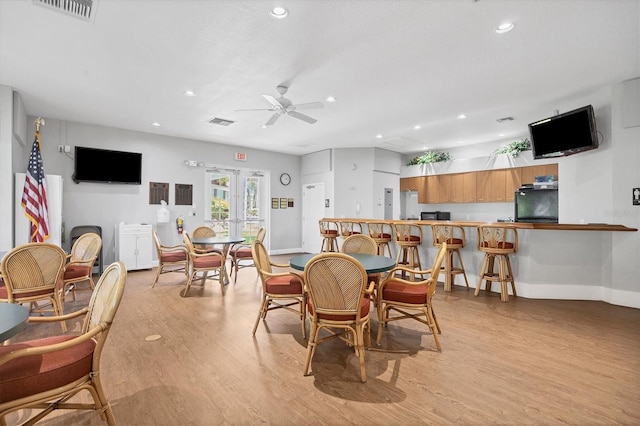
390, 64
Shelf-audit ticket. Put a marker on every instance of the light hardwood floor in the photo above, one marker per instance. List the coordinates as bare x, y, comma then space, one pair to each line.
538, 362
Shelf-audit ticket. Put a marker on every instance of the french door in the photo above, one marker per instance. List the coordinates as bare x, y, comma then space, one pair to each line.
236, 201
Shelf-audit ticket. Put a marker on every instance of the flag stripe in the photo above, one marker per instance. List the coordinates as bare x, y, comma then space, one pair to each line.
34, 195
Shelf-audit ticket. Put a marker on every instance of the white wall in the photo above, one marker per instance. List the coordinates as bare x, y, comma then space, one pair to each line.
162, 161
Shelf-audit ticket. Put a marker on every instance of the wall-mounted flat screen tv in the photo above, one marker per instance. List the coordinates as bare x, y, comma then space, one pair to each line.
107, 166
564, 134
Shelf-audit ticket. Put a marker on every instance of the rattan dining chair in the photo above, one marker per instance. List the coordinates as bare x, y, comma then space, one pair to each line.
204, 232
80, 262
241, 256
203, 263
174, 258
46, 373
411, 299
33, 273
362, 243
280, 290
339, 302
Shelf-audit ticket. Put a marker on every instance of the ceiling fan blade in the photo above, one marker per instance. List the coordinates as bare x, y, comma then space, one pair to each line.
256, 109
273, 101
273, 119
310, 105
302, 117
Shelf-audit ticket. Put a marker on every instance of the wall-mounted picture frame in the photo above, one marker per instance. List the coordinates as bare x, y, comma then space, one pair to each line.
184, 194
158, 191
275, 203
283, 203
290, 203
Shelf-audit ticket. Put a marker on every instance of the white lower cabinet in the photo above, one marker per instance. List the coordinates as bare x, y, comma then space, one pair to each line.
134, 247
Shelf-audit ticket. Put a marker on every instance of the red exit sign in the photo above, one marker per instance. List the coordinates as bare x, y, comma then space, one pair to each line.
241, 156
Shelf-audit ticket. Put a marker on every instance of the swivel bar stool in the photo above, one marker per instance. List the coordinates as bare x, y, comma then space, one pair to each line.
454, 236
409, 239
497, 242
329, 234
382, 234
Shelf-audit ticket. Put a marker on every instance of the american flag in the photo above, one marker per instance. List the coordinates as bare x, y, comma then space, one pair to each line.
34, 196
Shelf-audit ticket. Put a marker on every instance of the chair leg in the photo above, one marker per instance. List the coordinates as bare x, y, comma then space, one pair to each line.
448, 278
504, 292
311, 347
158, 272
433, 327
188, 284
303, 316
511, 278
262, 313
464, 274
359, 344
483, 270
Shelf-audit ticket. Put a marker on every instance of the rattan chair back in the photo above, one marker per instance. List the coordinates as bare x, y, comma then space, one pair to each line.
33, 268
359, 243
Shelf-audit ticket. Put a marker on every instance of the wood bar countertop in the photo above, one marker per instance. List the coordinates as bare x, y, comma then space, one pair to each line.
517, 225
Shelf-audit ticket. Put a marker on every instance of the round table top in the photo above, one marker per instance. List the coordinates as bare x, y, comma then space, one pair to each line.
218, 240
13, 319
372, 263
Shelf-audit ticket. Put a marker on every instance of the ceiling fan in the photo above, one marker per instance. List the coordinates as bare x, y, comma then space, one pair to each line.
282, 105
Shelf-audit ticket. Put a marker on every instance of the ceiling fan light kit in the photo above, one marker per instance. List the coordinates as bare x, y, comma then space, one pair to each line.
282, 105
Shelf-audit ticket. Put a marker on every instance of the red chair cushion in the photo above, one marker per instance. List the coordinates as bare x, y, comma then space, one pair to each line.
385, 236
454, 240
243, 252
500, 245
34, 374
76, 271
397, 291
410, 238
364, 311
331, 231
289, 284
173, 256
207, 262
4, 293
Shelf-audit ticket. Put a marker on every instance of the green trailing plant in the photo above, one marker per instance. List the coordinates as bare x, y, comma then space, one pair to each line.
514, 148
430, 157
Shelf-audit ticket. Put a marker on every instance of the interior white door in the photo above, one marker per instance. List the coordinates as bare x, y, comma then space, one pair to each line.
312, 212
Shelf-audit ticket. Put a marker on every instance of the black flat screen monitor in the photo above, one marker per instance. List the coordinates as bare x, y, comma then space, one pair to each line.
107, 166
564, 134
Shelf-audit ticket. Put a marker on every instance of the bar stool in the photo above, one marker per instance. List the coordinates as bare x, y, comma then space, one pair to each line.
454, 236
350, 228
329, 234
382, 233
408, 238
497, 242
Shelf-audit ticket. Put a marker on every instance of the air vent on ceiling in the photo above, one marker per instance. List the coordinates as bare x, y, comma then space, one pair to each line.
500, 120
221, 121
83, 9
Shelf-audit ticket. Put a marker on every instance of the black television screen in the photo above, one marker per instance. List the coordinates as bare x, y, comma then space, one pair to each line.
564, 134
107, 166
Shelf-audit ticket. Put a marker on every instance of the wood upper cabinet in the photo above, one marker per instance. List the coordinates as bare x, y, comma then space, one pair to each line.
512, 182
410, 183
490, 186
527, 174
487, 186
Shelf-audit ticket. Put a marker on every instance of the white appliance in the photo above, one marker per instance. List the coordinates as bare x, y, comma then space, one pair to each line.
22, 229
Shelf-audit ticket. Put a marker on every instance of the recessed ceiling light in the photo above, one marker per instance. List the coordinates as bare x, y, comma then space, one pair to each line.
378, 136
331, 99
461, 117
156, 124
279, 12
264, 126
504, 28
417, 127
501, 134
189, 93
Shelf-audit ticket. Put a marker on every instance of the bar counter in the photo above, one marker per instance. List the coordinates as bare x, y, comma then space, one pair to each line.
517, 225
553, 261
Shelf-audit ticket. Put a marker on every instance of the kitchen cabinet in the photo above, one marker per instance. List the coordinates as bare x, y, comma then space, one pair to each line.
444, 188
134, 246
512, 182
490, 186
469, 188
527, 174
410, 183
433, 192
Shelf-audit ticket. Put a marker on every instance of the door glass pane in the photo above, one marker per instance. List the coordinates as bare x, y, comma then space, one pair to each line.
251, 212
219, 202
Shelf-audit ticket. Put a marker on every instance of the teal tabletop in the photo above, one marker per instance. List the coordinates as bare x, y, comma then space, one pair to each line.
372, 263
13, 319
